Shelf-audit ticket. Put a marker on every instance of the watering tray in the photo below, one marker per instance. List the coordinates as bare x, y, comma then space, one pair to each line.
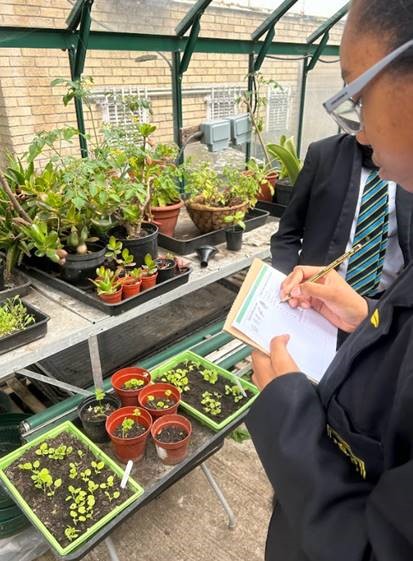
274, 209
88, 295
25, 336
187, 237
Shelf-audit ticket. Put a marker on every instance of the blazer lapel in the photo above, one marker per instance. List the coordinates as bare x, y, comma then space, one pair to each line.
404, 211
343, 227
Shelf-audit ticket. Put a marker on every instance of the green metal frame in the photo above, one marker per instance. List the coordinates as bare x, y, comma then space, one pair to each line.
78, 38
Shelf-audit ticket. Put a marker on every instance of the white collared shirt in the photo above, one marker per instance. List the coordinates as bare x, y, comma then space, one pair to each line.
393, 259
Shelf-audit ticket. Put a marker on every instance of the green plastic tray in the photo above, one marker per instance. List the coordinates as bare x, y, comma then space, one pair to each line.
202, 417
70, 428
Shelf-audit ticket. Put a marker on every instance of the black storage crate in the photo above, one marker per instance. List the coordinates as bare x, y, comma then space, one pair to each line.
35, 331
187, 237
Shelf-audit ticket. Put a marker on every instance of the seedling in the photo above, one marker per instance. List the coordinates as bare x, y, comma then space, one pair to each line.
71, 533
178, 377
235, 391
236, 219
14, 316
58, 453
133, 384
99, 410
107, 486
97, 466
126, 426
210, 376
42, 478
211, 403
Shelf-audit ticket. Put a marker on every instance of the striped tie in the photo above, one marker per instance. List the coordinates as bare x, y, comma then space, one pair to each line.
365, 266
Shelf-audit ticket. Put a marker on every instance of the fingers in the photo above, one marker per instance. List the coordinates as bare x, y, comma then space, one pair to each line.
298, 275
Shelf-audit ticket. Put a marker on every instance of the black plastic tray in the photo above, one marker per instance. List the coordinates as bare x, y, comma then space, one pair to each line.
273, 208
88, 295
21, 286
35, 331
187, 237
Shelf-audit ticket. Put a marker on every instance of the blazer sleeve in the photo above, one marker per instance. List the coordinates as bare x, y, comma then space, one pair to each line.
336, 514
286, 242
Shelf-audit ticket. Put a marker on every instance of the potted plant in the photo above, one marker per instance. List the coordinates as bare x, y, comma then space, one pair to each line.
128, 382
160, 399
166, 268
149, 272
108, 286
66, 486
211, 197
286, 154
234, 233
19, 324
93, 412
129, 428
171, 435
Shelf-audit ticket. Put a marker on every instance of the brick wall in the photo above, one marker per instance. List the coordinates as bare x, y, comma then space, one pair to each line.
29, 104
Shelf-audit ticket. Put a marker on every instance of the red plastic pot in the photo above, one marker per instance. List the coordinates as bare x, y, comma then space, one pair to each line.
171, 453
158, 391
131, 287
149, 282
265, 192
112, 298
166, 217
128, 448
129, 397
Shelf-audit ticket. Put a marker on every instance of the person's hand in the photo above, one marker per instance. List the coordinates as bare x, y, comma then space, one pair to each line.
331, 296
279, 363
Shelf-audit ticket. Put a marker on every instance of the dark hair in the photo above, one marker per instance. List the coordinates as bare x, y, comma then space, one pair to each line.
392, 21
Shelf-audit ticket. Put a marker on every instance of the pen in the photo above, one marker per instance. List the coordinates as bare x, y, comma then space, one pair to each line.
330, 267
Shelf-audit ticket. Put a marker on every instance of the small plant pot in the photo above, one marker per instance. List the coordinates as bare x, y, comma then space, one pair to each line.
173, 452
112, 298
131, 287
265, 193
149, 282
95, 427
234, 238
284, 192
129, 448
129, 397
158, 391
139, 247
166, 268
166, 217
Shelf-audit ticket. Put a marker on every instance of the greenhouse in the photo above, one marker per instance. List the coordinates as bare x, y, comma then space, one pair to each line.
206, 210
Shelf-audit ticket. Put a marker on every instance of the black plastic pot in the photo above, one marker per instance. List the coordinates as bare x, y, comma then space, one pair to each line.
234, 238
166, 269
283, 192
79, 268
95, 429
139, 247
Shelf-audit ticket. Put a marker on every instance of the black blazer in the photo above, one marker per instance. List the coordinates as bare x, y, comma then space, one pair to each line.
319, 217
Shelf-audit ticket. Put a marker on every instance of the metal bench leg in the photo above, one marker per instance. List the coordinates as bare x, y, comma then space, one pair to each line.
113, 554
211, 480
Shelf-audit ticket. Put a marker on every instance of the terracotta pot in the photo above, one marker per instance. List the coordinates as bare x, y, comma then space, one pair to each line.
129, 397
128, 448
158, 391
149, 282
171, 453
265, 192
166, 217
208, 218
131, 287
112, 298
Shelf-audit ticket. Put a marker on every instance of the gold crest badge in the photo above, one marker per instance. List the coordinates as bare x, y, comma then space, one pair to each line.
375, 318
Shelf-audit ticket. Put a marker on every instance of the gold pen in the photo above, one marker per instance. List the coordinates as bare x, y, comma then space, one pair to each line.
330, 267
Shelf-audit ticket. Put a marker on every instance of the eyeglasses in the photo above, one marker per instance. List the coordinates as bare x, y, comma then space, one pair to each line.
342, 107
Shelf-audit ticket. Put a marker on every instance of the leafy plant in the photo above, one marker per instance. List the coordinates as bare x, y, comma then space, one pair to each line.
58, 453
101, 408
126, 426
178, 377
286, 154
42, 478
133, 384
210, 376
107, 282
149, 268
236, 219
235, 391
211, 403
14, 316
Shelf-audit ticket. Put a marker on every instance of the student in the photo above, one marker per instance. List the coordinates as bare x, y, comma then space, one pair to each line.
338, 198
340, 456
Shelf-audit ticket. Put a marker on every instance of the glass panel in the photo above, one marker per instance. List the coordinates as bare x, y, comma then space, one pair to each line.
40, 13
323, 82
319, 8
158, 17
